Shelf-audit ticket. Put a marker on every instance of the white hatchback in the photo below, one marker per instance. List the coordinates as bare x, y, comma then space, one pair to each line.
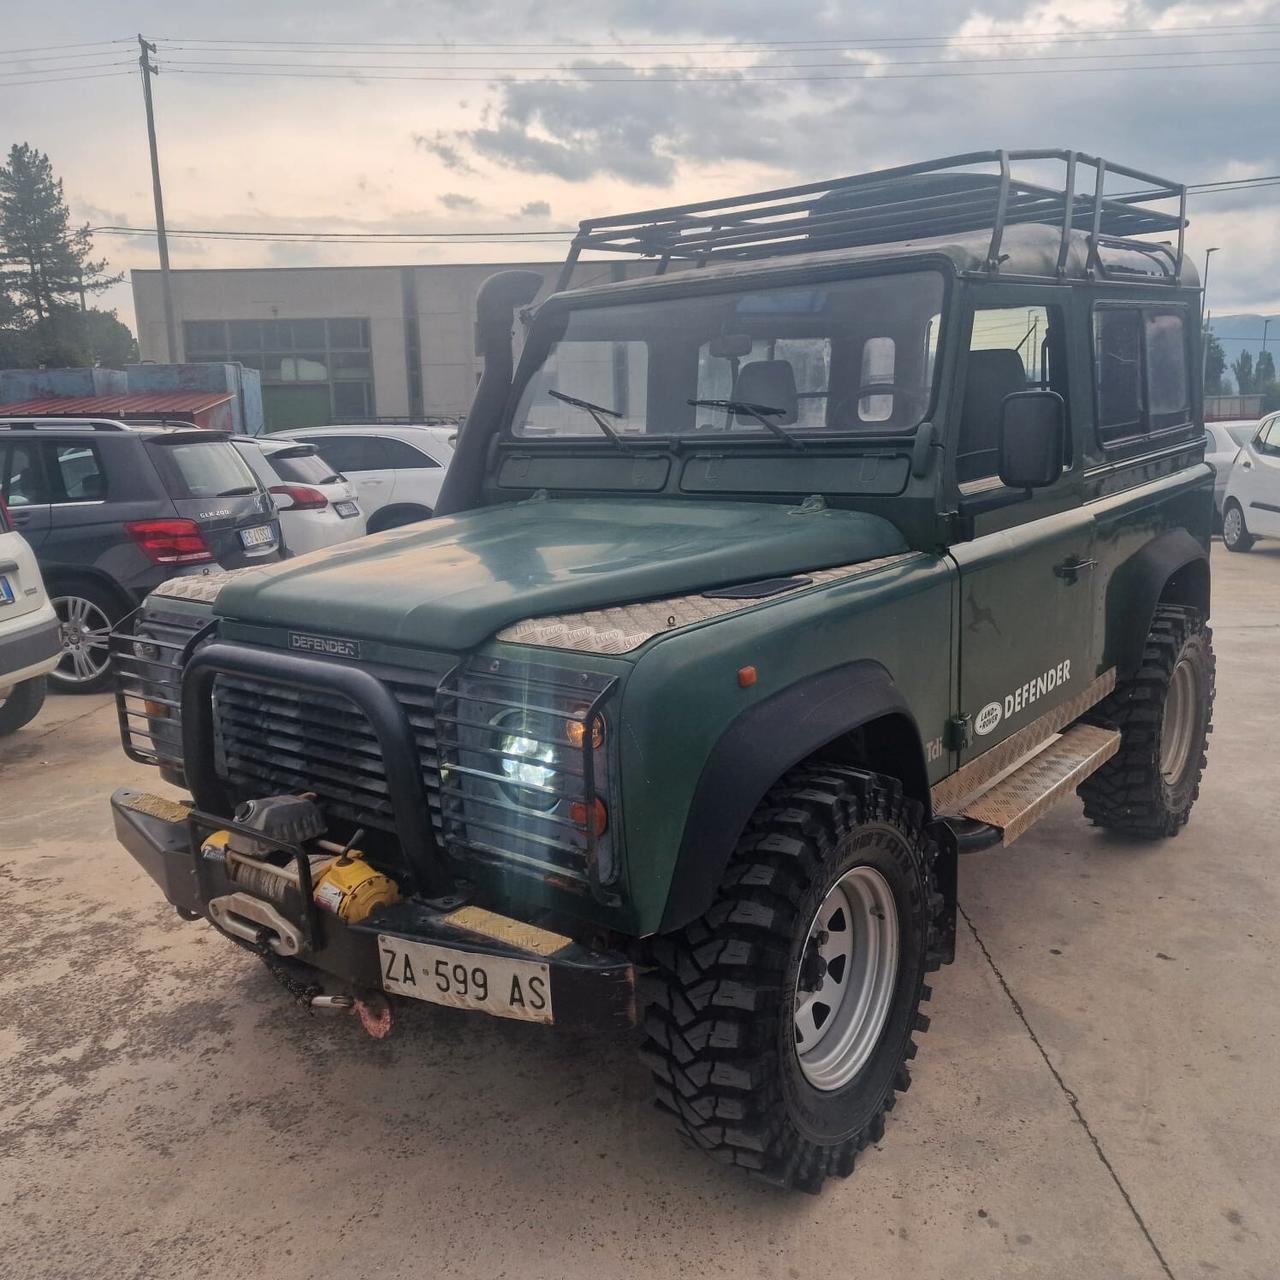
316, 503
1251, 509
30, 642
397, 471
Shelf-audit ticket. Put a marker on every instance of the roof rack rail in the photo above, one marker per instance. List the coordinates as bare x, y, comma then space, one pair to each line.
977, 191
85, 424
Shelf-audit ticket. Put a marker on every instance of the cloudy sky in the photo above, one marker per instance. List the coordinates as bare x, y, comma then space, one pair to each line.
501, 115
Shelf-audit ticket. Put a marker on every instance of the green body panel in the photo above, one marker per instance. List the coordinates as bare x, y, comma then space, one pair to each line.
669, 735
453, 583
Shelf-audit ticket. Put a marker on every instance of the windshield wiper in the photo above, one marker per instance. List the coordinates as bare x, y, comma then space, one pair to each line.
236, 493
756, 411
596, 411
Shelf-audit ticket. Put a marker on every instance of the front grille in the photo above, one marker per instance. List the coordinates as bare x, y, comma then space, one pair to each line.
275, 738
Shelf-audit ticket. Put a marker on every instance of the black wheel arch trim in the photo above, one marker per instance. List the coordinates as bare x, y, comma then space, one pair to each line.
394, 509
1173, 568
758, 747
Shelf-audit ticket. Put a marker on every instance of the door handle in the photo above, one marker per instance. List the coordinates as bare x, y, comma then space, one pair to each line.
1246, 465
1070, 570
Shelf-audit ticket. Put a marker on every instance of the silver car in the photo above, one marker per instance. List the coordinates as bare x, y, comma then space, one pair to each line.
1222, 441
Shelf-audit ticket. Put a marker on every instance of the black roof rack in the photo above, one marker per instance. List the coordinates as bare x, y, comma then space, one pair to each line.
978, 191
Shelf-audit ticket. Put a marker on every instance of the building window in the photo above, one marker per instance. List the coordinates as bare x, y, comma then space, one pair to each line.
314, 371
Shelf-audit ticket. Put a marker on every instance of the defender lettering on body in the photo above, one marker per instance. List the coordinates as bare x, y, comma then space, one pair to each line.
993, 713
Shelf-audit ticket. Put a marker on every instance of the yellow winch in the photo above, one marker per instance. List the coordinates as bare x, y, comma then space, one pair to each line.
351, 889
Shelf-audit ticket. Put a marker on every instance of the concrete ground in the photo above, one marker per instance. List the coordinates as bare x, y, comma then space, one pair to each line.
1096, 1097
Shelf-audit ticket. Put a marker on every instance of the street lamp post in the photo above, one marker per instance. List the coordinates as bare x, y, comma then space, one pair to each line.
1204, 314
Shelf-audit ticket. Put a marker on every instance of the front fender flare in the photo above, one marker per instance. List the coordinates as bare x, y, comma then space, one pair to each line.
758, 747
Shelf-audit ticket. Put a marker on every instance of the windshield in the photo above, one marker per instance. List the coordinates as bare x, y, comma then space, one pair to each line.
837, 357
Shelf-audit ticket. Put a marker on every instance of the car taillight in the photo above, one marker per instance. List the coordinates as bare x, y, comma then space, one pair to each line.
169, 541
301, 497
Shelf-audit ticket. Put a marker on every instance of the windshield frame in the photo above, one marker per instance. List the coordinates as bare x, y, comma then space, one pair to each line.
545, 327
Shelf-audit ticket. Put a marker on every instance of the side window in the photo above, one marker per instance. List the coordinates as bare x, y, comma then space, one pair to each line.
1010, 349
352, 453
77, 473
22, 481
1268, 438
1117, 357
404, 457
1168, 386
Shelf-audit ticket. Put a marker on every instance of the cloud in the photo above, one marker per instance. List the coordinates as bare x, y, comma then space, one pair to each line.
456, 201
443, 151
535, 209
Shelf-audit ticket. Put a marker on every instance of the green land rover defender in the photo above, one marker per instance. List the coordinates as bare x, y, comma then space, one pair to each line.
867, 525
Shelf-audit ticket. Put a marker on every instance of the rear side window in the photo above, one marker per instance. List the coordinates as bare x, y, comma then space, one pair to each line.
77, 473
203, 470
404, 457
1141, 371
22, 482
352, 453
302, 468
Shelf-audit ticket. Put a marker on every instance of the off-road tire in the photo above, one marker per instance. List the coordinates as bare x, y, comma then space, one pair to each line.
1233, 540
1130, 792
719, 1022
21, 705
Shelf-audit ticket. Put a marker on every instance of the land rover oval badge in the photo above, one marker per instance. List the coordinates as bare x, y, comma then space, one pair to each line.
327, 645
987, 718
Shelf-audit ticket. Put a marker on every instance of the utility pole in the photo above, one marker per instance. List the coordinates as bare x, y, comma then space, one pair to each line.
149, 69
1266, 324
1204, 298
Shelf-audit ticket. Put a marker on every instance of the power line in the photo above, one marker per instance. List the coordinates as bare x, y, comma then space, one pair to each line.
97, 75
84, 44
53, 72
1191, 29
357, 75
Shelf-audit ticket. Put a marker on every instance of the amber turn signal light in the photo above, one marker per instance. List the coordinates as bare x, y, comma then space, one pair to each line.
576, 732
600, 815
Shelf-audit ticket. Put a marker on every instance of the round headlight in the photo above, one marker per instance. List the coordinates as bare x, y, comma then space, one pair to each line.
526, 759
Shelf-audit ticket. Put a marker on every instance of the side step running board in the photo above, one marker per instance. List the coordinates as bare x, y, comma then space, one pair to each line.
1019, 801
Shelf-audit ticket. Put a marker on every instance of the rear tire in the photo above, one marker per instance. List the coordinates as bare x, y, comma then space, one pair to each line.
1235, 534
87, 614
21, 704
1165, 714
734, 1023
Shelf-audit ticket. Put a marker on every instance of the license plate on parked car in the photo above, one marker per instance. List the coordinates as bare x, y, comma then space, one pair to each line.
262, 535
6, 591
503, 987
346, 509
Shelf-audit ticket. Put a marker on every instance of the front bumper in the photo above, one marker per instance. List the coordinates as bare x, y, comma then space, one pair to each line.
588, 987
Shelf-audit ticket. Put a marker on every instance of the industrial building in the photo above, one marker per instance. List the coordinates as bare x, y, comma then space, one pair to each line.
338, 344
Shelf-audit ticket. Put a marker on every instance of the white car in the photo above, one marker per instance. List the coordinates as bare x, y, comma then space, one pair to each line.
1222, 442
397, 471
1251, 509
316, 503
30, 642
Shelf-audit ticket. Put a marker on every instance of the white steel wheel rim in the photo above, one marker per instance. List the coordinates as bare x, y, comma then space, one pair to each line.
848, 970
1177, 729
1231, 524
85, 631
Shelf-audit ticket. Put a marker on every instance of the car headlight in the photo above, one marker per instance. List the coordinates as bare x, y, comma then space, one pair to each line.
526, 757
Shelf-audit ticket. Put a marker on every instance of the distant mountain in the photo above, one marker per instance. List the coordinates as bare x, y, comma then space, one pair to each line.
1244, 333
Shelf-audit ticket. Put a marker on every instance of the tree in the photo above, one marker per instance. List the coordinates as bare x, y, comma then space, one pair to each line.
1215, 364
1264, 372
1242, 367
46, 272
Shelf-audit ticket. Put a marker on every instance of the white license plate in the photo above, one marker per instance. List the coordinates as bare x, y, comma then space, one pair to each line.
261, 536
346, 509
6, 591
463, 980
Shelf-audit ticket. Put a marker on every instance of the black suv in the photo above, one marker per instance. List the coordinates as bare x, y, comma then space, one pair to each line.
111, 511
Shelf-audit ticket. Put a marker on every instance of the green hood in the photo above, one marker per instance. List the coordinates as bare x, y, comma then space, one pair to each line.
452, 582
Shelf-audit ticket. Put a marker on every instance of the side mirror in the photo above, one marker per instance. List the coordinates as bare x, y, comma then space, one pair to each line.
1033, 427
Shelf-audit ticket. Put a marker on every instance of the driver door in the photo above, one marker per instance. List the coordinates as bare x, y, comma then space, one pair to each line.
1026, 578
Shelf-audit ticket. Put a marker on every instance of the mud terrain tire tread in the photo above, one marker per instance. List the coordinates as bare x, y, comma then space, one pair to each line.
1128, 794
718, 988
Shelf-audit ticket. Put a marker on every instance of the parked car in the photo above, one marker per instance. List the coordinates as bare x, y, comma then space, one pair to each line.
112, 511
397, 471
29, 647
317, 505
1222, 441
1251, 509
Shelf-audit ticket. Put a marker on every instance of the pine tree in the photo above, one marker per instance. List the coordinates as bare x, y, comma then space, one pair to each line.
1215, 364
45, 268
1242, 367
